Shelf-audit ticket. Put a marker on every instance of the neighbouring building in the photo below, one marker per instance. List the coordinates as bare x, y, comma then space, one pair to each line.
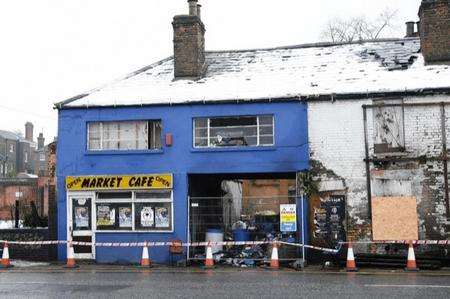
201, 141
22, 155
24, 174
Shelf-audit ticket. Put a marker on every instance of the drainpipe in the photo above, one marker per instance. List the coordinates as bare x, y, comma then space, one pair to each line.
367, 160
445, 160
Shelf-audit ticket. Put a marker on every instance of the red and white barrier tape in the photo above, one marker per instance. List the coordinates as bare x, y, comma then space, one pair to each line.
415, 242
223, 243
311, 247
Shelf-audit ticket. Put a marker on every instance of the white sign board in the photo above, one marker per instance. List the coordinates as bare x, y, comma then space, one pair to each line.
288, 218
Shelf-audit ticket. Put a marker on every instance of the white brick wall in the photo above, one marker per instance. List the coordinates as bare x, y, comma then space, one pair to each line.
336, 137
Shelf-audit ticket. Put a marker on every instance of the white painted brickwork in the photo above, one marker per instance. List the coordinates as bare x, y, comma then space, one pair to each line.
336, 136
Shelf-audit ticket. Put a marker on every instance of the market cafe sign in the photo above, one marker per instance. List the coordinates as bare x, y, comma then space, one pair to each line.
119, 182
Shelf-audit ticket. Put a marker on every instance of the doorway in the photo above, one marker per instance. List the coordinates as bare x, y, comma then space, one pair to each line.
80, 224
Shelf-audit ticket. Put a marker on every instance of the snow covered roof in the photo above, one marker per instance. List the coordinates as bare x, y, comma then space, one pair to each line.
393, 65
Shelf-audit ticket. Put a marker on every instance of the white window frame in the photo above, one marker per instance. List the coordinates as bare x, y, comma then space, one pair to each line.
151, 125
208, 128
133, 200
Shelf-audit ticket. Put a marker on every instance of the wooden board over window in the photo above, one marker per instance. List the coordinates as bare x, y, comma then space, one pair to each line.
394, 218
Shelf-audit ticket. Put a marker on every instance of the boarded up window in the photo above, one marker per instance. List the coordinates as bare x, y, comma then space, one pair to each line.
394, 218
388, 127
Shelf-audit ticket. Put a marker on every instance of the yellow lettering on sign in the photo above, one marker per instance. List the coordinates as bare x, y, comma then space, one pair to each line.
122, 182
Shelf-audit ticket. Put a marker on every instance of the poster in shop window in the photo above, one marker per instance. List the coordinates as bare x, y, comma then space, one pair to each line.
81, 217
162, 217
106, 216
125, 217
147, 217
288, 218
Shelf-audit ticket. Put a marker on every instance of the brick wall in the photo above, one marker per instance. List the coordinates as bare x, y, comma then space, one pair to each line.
27, 252
8, 197
435, 30
189, 46
336, 136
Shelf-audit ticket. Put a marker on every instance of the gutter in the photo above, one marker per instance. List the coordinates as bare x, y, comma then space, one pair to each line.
303, 98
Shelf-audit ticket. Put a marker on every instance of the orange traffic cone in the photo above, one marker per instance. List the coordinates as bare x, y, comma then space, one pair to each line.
411, 263
209, 261
145, 260
5, 257
274, 263
70, 257
351, 264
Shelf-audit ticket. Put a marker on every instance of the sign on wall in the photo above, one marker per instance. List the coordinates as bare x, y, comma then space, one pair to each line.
328, 216
288, 218
122, 182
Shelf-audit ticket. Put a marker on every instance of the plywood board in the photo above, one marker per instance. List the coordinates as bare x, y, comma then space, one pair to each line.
394, 218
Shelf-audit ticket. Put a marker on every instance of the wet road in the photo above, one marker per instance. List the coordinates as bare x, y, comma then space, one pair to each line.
236, 284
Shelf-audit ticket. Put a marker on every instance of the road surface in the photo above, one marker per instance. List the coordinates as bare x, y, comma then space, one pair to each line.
229, 284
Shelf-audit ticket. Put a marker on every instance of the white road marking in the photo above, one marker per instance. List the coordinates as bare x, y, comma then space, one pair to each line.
405, 286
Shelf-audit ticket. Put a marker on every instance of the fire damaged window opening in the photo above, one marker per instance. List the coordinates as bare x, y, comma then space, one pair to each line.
389, 130
124, 135
242, 207
234, 131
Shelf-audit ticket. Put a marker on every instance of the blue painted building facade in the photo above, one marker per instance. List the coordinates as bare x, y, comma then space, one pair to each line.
289, 154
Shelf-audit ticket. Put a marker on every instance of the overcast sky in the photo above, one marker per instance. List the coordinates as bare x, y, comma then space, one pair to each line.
54, 49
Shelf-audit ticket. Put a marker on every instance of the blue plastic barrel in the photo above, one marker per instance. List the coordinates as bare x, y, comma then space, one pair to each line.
241, 235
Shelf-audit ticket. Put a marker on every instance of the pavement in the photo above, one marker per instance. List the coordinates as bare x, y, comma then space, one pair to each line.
112, 281
33, 267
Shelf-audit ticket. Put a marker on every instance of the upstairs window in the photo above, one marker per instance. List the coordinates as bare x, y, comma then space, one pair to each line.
124, 135
234, 131
388, 126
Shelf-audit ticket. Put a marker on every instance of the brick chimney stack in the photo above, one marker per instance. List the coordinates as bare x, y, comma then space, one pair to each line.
41, 141
434, 30
189, 43
29, 131
410, 31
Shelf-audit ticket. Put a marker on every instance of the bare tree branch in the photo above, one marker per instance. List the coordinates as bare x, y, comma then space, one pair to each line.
358, 28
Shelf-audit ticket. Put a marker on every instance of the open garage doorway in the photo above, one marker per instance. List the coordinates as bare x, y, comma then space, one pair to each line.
241, 207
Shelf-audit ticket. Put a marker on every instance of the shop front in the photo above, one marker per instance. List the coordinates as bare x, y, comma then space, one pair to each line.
120, 207
136, 174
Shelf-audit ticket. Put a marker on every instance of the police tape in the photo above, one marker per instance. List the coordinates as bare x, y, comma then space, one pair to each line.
140, 244
311, 247
221, 243
414, 242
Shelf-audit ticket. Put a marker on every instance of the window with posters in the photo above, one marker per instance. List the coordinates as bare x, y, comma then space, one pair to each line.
81, 211
134, 211
140, 202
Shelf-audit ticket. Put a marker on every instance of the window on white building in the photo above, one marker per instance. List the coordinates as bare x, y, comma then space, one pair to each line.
11, 148
134, 211
25, 157
389, 127
234, 131
124, 135
42, 157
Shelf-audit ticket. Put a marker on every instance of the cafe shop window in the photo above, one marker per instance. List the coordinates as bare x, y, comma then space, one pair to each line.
234, 131
134, 211
124, 135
